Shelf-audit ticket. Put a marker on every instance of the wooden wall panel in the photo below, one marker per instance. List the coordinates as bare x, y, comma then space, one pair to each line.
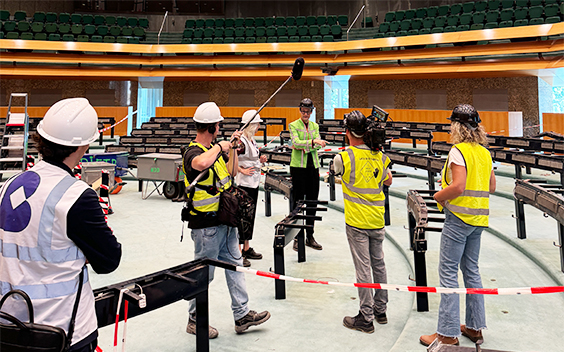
117, 112
495, 122
553, 123
291, 114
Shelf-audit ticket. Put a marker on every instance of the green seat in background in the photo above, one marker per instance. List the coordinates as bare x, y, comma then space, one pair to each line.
479, 17
316, 38
133, 40
109, 39
139, 32
507, 4
111, 20
303, 30
425, 31
259, 22
300, 21
553, 19
505, 24
292, 39
405, 25
323, 30
432, 11
452, 20
551, 10
121, 40
521, 3
390, 16
506, 15
328, 38
533, 3
548, 2
449, 29
279, 21
390, 34
229, 22
51, 17
102, 30
519, 23
229, 32
463, 27
190, 23
39, 16
421, 13
428, 22
115, 31
200, 23
336, 31
494, 4
379, 35
331, 20
219, 22
466, 18
271, 31
343, 20
218, 32
416, 23
239, 39
51, 27
64, 28
10, 26
481, 6
269, 21
536, 12
126, 31
228, 40
239, 22
99, 20
384, 27
281, 30
368, 22
249, 22
290, 21
132, 21
313, 30
410, 14
198, 33
207, 41
76, 29
400, 15
68, 38
209, 32
37, 27
209, 22
468, 7
261, 39
310, 20
492, 16
491, 25
64, 17
87, 19
444, 10
20, 16
40, 36
440, 21
413, 32
121, 21
437, 30
240, 32
4, 15
76, 18
250, 32
305, 38
197, 41
188, 33
23, 26
521, 13
96, 39
394, 26
401, 33
285, 39
271, 39
26, 36
536, 21
321, 20
54, 37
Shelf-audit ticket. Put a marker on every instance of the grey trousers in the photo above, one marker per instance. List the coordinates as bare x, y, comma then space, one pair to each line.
367, 253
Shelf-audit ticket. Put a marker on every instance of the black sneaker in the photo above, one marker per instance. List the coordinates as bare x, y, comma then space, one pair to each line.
191, 329
381, 318
252, 318
311, 242
246, 262
358, 323
251, 254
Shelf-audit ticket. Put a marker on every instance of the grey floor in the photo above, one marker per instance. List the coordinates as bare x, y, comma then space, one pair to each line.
310, 319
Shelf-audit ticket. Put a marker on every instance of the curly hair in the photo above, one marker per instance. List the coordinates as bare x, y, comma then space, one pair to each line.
460, 133
50, 150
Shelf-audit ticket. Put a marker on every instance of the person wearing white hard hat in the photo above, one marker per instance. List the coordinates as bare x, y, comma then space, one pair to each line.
52, 225
248, 177
212, 239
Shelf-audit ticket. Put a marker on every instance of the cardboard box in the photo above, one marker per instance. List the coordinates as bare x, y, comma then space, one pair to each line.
158, 166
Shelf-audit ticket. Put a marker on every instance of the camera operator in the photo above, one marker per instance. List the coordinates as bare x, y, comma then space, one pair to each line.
211, 239
364, 171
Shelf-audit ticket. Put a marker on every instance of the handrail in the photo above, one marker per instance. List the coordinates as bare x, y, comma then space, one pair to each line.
162, 25
353, 22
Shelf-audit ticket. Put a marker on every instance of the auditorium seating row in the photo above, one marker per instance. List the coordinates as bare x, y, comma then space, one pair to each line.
267, 21
75, 18
67, 32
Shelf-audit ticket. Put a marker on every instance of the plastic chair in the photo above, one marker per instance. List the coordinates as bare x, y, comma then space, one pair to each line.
444, 10
133, 40
521, 13
240, 32
64, 28
533, 3
4, 15
409, 14
40, 36
432, 11
281, 31
553, 19
290, 21
20, 16
424, 31
328, 38
229, 32
207, 41
50, 17
239, 22
491, 25
494, 4
139, 32
23, 26
239, 39
303, 30
343, 20
87, 19
285, 39
505, 24
305, 38
198, 33
249, 22
521, 3
115, 31
280, 21
54, 37
421, 13
111, 20
449, 29
109, 39
68, 38
209, 32
259, 22
228, 40
96, 39
468, 7
39, 16
99, 20
481, 6
26, 36
250, 32
76, 29
453, 20
507, 4
321, 20
313, 30
188, 33
479, 17
269, 21
323, 30
390, 16
300, 21
331, 20
51, 27
492, 16
506, 15
229, 22
400, 15
519, 23
437, 30
37, 27
271, 31
127, 31
76, 18
64, 17
416, 23
413, 32
190, 23
218, 32
394, 26
336, 31
401, 33
405, 25
536, 21
551, 10
197, 41
132, 21
102, 30
310, 20
440, 21
466, 18
292, 39
271, 39
429, 22
121, 21
121, 40
536, 12
463, 27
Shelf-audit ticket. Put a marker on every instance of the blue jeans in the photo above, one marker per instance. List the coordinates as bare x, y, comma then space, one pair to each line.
460, 244
222, 242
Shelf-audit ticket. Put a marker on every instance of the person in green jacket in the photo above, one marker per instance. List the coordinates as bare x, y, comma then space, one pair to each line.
304, 166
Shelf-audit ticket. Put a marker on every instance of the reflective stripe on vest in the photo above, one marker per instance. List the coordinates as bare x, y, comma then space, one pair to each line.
362, 190
202, 200
301, 143
472, 206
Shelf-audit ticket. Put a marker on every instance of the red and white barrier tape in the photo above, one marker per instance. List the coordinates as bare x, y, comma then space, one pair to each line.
405, 288
117, 123
273, 139
332, 149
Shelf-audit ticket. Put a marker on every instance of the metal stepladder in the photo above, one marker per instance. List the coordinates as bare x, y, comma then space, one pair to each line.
13, 147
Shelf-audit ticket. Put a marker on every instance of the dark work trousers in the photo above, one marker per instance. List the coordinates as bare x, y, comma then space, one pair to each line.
253, 193
305, 182
80, 347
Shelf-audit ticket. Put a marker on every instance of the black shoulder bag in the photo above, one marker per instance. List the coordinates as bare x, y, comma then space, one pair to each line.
31, 337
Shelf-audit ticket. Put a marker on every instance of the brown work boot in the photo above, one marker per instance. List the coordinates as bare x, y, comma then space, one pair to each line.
311, 242
426, 340
295, 245
473, 335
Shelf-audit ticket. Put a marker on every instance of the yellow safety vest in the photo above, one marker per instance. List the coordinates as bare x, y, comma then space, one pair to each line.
364, 174
202, 200
473, 205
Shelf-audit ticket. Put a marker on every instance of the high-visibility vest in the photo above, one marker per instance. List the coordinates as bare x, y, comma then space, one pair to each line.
36, 254
364, 174
473, 205
302, 143
203, 201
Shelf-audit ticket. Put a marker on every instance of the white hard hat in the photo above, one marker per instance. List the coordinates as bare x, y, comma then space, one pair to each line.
207, 113
71, 122
248, 115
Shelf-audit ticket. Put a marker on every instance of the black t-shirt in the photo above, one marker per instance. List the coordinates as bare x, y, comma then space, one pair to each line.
209, 220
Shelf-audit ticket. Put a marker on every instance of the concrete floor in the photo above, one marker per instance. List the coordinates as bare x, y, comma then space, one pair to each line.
310, 319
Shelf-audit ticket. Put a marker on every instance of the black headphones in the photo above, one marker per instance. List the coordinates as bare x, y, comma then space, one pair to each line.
211, 129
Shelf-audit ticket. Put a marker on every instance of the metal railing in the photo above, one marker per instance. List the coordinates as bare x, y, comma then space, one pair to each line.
353, 22
162, 25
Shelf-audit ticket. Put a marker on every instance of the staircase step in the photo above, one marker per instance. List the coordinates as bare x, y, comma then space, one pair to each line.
16, 119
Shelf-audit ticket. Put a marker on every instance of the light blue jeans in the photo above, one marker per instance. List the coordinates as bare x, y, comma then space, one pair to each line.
460, 244
222, 242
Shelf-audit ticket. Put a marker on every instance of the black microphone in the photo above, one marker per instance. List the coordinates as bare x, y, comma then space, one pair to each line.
298, 69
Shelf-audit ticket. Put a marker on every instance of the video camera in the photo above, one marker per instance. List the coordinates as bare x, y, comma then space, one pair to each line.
375, 136
378, 114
